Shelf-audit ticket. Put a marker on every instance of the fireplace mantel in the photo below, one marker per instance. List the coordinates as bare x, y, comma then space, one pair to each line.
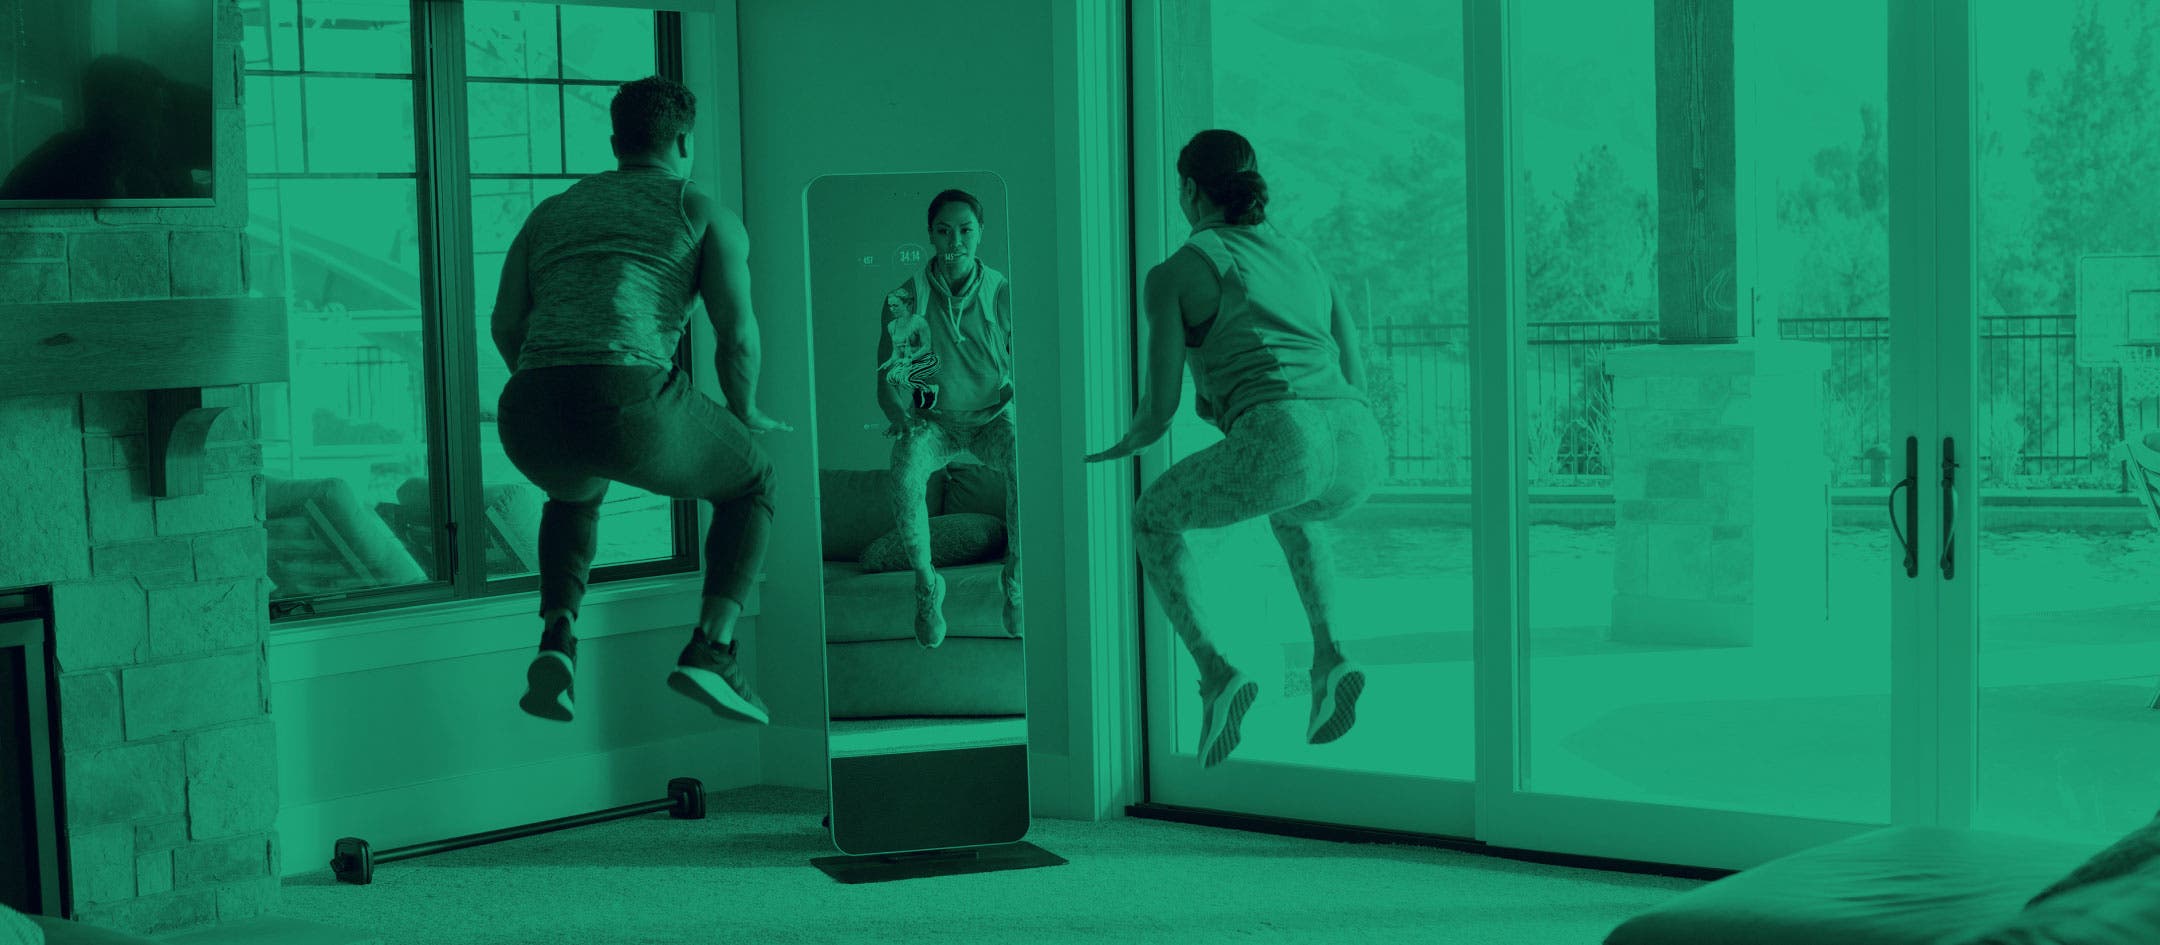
168, 348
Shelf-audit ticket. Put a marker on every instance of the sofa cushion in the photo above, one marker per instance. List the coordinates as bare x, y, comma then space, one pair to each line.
973, 487
2121, 910
862, 605
321, 540
1898, 886
2122, 857
17, 929
893, 678
855, 507
957, 539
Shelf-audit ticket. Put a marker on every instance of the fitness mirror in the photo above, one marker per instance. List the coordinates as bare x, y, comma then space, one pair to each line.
925, 681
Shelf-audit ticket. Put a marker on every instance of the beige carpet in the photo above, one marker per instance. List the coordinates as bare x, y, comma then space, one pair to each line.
743, 875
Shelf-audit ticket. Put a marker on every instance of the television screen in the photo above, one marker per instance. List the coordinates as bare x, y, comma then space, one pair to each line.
106, 102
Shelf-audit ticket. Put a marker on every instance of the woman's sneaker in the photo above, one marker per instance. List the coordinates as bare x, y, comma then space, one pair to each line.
1224, 698
1013, 624
709, 675
930, 612
1336, 684
551, 680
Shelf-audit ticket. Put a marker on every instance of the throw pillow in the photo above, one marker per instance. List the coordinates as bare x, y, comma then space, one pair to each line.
957, 539
17, 929
2123, 910
2131, 852
973, 487
856, 507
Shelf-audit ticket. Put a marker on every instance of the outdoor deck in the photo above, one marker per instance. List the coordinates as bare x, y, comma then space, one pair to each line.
1798, 723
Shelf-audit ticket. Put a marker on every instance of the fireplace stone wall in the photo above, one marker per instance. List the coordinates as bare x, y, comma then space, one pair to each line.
160, 604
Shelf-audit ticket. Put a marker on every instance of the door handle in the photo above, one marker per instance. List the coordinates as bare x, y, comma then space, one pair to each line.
1908, 540
1949, 509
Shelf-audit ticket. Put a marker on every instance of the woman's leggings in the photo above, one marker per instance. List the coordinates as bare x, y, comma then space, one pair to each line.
924, 447
1298, 462
572, 430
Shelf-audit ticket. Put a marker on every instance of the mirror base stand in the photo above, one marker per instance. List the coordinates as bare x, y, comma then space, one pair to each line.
887, 867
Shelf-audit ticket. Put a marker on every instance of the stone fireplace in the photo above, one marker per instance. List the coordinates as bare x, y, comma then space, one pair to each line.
32, 857
159, 604
160, 607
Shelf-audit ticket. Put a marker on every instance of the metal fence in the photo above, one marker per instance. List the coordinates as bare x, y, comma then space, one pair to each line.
2044, 421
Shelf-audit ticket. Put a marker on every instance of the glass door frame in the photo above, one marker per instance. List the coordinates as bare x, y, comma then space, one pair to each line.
1943, 747
1931, 99
1430, 806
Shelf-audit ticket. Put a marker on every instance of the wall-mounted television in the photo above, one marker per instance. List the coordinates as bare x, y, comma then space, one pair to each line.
106, 103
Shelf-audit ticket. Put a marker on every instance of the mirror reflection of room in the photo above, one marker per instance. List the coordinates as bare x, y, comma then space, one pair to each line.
917, 406
945, 381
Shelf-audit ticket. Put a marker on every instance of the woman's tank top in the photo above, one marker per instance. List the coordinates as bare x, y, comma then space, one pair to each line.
1272, 337
952, 356
613, 265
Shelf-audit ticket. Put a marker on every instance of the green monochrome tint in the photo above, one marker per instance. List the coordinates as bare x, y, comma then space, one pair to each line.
1706, 401
355, 445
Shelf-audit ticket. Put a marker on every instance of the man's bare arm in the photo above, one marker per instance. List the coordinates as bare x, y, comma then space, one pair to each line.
724, 284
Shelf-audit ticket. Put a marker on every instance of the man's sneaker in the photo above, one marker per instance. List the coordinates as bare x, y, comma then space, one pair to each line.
709, 675
1223, 701
930, 612
1336, 683
551, 680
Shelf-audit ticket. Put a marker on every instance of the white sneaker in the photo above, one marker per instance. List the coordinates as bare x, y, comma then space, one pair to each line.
1224, 702
1336, 684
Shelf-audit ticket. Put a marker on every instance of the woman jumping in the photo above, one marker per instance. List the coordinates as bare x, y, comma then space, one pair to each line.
945, 380
1276, 366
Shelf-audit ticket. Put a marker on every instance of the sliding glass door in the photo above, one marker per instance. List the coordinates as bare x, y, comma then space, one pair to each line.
1377, 193
1771, 396
1717, 382
1708, 367
2057, 412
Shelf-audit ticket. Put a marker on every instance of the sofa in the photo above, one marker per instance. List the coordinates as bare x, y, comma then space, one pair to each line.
322, 539
873, 666
1924, 886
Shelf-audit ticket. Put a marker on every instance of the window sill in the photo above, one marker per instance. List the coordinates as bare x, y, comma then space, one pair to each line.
332, 646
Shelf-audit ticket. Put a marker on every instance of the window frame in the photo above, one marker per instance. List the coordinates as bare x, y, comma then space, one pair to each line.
451, 345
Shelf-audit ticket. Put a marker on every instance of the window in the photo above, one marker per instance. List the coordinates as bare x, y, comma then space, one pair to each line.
539, 78
386, 482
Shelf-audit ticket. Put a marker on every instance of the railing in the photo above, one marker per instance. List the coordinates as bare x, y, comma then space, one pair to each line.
2044, 420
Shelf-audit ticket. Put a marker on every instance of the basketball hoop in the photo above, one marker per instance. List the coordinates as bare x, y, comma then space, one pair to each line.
2140, 373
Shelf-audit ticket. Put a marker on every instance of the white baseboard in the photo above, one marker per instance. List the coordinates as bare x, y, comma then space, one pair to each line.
508, 797
794, 757
1051, 787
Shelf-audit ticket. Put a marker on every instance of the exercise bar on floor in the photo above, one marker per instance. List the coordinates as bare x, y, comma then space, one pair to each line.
354, 862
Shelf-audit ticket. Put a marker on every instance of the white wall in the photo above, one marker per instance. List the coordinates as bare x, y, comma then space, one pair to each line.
854, 86
400, 732
403, 727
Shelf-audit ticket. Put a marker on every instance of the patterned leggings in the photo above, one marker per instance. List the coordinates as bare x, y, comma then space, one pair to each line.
1298, 462
924, 447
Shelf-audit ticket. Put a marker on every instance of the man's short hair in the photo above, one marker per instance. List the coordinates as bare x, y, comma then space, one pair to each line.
651, 113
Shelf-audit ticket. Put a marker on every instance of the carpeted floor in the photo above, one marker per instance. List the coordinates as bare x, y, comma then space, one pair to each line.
743, 875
